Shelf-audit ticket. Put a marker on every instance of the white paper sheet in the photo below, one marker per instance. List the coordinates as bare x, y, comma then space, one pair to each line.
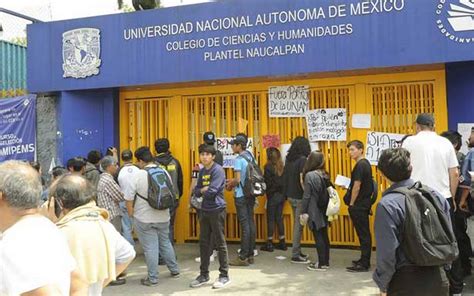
342, 181
361, 120
465, 130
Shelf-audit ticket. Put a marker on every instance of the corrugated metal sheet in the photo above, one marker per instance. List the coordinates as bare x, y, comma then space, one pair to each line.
12, 69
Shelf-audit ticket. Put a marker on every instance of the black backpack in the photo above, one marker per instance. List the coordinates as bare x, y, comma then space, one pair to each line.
161, 195
323, 199
428, 238
254, 182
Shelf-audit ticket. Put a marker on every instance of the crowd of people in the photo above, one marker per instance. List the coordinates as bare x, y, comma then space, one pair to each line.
92, 207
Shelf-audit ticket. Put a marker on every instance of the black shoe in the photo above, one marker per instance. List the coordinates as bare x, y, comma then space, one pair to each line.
199, 281
118, 282
281, 245
357, 268
251, 260
303, 256
268, 247
300, 260
355, 262
147, 282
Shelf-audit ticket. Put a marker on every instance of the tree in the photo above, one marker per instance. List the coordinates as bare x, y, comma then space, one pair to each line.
141, 4
19, 41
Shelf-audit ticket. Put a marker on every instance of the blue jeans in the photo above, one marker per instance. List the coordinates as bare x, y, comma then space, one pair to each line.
154, 238
126, 224
245, 212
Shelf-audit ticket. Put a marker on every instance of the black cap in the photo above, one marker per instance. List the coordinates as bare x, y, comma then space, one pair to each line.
425, 119
209, 138
239, 139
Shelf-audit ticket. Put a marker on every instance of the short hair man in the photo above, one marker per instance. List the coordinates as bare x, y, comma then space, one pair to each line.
91, 170
100, 251
435, 164
76, 166
360, 191
244, 204
209, 138
109, 194
395, 274
151, 225
210, 185
168, 162
34, 256
126, 178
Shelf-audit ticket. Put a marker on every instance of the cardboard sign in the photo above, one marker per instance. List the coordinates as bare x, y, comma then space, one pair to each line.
327, 124
378, 142
288, 101
223, 145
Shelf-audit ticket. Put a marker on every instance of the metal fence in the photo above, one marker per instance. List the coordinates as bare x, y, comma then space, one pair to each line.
12, 69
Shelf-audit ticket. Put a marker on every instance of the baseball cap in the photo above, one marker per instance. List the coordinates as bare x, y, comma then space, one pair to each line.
209, 138
425, 119
239, 139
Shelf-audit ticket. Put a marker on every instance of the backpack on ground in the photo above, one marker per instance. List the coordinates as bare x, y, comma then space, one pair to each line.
428, 238
161, 195
254, 182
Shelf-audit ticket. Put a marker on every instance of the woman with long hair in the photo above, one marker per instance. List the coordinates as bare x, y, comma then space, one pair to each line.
273, 175
315, 203
295, 160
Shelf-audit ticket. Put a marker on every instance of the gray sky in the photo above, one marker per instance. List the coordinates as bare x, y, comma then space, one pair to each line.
48, 10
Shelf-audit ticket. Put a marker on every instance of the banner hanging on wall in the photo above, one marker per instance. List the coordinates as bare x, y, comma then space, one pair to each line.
327, 124
223, 145
288, 101
18, 128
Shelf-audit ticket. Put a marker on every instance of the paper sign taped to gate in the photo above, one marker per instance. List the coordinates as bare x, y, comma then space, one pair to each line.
378, 142
327, 124
288, 101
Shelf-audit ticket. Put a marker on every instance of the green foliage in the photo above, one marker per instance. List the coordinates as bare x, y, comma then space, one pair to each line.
19, 41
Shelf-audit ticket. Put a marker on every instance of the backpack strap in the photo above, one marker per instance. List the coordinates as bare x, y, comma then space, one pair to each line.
249, 161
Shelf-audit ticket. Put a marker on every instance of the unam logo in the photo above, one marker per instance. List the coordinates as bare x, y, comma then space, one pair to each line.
455, 18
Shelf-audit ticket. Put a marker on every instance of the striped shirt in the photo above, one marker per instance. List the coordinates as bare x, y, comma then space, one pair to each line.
109, 195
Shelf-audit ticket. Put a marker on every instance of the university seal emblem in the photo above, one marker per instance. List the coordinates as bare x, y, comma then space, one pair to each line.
81, 52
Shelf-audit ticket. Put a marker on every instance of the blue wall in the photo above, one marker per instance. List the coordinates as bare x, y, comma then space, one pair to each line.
87, 120
460, 89
416, 33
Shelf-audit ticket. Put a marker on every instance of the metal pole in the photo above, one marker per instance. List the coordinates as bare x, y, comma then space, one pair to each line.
29, 18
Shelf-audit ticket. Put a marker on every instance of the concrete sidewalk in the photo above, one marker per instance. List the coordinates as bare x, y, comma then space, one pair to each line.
268, 276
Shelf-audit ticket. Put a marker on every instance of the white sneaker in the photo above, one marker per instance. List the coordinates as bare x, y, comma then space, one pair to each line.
221, 282
211, 259
255, 252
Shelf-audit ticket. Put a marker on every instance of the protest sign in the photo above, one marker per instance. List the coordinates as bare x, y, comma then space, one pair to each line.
465, 130
223, 145
271, 141
288, 101
378, 142
18, 128
327, 124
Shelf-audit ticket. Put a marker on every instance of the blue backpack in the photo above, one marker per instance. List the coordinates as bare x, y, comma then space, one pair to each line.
160, 189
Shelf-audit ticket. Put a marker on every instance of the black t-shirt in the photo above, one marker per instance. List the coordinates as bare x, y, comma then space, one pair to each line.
362, 172
292, 172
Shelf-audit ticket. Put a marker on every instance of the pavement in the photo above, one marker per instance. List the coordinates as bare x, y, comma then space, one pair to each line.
268, 276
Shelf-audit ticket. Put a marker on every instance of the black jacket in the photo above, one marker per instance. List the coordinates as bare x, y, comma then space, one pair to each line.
165, 159
273, 181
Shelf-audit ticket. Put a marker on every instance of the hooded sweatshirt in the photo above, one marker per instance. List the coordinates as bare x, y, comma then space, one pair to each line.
173, 167
90, 237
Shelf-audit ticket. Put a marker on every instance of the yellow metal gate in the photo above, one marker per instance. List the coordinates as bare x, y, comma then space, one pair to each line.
183, 115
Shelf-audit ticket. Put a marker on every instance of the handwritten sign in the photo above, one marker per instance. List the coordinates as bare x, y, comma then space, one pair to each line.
223, 145
271, 141
327, 124
378, 142
288, 101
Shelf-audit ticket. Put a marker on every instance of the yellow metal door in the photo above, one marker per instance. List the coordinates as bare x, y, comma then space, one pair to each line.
184, 114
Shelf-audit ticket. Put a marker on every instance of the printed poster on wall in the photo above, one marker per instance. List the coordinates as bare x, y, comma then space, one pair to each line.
378, 142
18, 128
223, 145
327, 124
288, 101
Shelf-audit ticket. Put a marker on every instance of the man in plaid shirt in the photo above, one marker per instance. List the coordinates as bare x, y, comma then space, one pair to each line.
109, 194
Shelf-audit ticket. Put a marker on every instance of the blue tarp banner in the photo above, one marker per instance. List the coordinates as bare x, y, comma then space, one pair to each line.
18, 128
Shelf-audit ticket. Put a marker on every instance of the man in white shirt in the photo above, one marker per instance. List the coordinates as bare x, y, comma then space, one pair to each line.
127, 177
34, 255
151, 225
435, 164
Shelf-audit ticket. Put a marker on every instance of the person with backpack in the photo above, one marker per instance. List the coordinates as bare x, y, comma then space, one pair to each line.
273, 174
412, 248
244, 203
293, 184
358, 198
149, 200
209, 138
315, 203
166, 161
212, 216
